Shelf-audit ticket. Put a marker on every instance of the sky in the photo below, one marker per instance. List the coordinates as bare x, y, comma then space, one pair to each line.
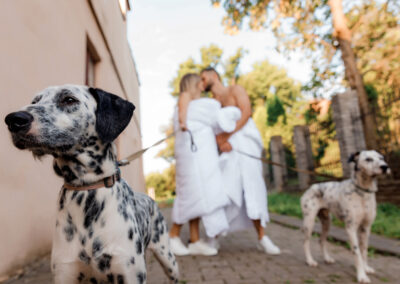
163, 34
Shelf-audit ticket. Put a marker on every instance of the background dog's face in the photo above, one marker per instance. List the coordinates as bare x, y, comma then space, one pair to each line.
62, 118
370, 163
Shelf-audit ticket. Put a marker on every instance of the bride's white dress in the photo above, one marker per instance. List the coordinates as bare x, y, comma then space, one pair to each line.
199, 185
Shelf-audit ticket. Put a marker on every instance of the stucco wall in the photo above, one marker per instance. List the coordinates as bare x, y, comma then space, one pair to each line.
44, 43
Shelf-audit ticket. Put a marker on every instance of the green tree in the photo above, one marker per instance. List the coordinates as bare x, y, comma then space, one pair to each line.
209, 56
157, 181
168, 152
163, 183
277, 101
267, 80
326, 31
275, 110
231, 66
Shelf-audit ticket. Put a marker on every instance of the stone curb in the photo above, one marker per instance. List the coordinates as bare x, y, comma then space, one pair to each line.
379, 243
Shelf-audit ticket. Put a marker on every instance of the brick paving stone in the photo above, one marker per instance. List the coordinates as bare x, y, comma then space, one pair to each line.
379, 243
239, 262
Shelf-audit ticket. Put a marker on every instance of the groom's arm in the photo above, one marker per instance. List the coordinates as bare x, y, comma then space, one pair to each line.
243, 103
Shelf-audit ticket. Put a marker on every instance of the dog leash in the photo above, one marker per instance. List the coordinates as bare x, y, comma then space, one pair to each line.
139, 153
266, 161
193, 148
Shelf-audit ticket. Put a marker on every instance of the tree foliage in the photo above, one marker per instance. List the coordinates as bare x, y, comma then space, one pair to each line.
307, 25
267, 80
231, 66
362, 38
163, 183
275, 110
167, 153
278, 104
210, 56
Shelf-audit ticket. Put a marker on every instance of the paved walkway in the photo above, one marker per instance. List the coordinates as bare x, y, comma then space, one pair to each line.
379, 243
240, 262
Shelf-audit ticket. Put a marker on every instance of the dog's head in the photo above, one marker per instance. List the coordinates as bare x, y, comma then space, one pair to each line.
65, 118
370, 163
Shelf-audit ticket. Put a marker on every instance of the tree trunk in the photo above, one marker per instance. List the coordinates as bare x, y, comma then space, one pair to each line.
353, 76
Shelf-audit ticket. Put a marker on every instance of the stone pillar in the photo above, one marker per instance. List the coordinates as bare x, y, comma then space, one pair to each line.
278, 156
266, 176
304, 157
349, 127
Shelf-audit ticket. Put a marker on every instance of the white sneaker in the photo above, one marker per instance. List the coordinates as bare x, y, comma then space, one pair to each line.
266, 245
177, 247
214, 243
201, 248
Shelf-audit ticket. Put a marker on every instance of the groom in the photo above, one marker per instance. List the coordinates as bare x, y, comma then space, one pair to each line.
242, 175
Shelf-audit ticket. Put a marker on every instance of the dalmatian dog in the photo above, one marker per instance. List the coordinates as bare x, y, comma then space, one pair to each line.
353, 202
102, 227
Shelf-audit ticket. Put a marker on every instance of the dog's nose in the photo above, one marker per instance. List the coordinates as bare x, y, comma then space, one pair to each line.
384, 168
19, 121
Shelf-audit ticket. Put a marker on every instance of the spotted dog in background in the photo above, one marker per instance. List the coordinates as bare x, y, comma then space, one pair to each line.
353, 202
101, 234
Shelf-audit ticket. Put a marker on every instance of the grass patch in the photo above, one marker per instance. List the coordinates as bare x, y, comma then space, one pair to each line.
165, 202
387, 222
284, 204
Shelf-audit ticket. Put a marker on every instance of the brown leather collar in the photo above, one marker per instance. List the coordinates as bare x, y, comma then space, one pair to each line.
106, 182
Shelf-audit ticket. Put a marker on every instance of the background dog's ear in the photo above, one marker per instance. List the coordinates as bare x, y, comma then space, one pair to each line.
112, 115
353, 157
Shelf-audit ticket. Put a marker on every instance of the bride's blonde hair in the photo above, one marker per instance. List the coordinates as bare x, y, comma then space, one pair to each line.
189, 83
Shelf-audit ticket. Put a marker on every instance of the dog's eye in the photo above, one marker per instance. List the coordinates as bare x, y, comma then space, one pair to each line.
368, 159
69, 101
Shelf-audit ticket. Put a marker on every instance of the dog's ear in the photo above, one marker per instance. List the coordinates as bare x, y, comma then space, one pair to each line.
112, 114
353, 157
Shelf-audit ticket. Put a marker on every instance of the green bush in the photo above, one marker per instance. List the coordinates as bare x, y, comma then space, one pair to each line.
163, 183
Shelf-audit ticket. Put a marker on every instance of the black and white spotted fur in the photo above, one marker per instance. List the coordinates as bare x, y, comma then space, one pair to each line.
101, 235
352, 201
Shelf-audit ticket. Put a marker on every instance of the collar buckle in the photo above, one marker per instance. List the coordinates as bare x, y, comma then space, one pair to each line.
111, 180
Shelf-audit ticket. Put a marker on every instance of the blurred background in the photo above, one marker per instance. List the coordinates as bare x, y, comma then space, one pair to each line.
322, 79
292, 57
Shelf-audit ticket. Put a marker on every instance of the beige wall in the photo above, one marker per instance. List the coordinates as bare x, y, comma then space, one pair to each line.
43, 42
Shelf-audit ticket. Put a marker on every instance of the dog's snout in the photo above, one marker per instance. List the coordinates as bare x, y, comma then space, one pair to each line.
384, 168
19, 121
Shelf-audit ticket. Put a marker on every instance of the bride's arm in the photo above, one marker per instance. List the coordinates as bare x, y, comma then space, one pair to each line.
183, 103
